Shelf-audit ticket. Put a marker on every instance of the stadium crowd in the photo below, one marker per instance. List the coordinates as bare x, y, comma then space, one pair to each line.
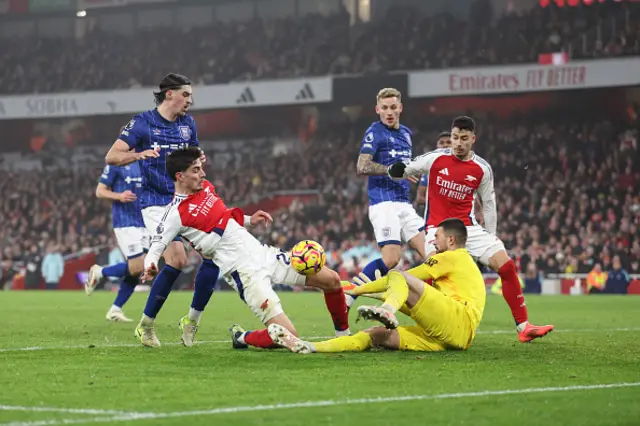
316, 45
567, 197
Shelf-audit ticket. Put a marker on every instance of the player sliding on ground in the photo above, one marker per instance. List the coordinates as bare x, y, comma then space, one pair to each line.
446, 315
200, 216
456, 176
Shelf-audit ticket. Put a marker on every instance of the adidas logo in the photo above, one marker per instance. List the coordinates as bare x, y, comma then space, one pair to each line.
305, 93
444, 171
246, 97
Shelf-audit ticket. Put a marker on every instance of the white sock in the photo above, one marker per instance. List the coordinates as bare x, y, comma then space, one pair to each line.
194, 315
346, 332
520, 327
350, 300
115, 308
99, 273
147, 321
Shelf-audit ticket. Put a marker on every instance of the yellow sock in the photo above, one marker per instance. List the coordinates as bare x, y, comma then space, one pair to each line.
397, 292
376, 286
359, 342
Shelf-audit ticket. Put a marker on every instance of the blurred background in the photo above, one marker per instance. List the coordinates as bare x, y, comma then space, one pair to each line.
284, 90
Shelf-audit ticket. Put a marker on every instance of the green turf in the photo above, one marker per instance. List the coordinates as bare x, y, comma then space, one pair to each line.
596, 343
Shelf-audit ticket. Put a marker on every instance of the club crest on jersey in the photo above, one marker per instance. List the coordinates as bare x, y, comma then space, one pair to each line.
471, 178
386, 232
185, 132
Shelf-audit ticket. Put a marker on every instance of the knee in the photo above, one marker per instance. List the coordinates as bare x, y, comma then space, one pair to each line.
332, 282
379, 335
176, 257
136, 266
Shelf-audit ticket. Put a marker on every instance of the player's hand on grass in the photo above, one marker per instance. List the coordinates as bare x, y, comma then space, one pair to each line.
261, 217
150, 273
149, 153
127, 197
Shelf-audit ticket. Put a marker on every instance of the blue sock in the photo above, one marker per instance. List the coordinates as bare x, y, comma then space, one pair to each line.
119, 270
206, 279
370, 269
126, 290
160, 290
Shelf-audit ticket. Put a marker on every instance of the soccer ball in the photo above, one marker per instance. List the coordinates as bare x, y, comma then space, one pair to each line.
307, 257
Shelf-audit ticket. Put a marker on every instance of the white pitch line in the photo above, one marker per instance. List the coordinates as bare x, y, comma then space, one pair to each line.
315, 404
209, 342
37, 409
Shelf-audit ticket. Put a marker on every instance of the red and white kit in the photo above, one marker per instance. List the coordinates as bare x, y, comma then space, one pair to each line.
220, 234
451, 190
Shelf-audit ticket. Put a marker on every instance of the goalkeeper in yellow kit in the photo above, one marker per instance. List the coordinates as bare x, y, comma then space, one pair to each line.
446, 315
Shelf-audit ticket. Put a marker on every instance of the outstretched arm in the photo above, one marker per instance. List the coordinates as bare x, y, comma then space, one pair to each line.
367, 167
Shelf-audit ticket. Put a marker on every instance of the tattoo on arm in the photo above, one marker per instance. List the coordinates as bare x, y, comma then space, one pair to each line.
366, 166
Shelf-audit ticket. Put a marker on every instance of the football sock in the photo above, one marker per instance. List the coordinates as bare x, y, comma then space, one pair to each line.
206, 279
370, 269
359, 342
194, 315
259, 339
119, 270
337, 307
397, 293
160, 290
512, 292
127, 287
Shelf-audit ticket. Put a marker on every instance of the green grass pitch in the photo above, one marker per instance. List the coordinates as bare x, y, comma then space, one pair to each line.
83, 370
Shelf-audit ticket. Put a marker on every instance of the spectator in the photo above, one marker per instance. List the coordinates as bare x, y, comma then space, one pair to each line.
618, 279
52, 266
596, 279
33, 277
532, 280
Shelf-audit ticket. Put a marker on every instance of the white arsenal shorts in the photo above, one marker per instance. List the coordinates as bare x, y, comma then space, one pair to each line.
481, 245
251, 268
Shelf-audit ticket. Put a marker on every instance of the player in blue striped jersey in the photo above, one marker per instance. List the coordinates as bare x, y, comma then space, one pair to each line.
122, 185
148, 138
391, 213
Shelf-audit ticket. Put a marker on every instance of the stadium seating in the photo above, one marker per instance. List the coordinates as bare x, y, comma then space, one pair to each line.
315, 45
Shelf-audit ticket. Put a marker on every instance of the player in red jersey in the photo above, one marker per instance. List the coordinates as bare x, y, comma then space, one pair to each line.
200, 216
456, 176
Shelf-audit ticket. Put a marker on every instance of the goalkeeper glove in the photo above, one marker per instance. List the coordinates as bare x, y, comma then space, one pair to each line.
396, 170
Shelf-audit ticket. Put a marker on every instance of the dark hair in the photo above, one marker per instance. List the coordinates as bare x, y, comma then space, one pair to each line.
443, 135
457, 228
464, 123
170, 81
181, 160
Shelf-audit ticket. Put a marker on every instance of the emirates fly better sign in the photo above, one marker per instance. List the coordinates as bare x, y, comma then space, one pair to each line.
525, 78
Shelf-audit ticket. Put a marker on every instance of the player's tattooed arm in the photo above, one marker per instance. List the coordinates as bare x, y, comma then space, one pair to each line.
366, 166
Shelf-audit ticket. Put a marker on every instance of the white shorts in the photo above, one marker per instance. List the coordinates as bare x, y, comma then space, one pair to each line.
251, 268
394, 222
481, 245
133, 241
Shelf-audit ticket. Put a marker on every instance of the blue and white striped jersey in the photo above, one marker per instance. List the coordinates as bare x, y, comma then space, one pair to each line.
149, 130
387, 146
120, 179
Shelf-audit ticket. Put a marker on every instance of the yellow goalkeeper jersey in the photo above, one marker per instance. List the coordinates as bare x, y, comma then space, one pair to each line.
456, 275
